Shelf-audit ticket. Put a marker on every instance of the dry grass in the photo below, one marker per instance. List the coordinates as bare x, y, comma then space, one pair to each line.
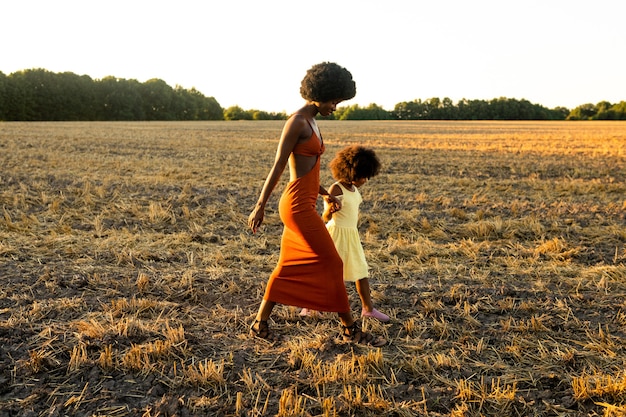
129, 278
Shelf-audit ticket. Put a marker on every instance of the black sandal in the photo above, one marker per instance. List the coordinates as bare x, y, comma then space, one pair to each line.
263, 331
354, 334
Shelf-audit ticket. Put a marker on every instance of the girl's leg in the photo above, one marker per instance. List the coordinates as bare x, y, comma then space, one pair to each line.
363, 288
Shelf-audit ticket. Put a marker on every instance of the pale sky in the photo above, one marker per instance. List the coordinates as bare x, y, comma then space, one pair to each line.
254, 53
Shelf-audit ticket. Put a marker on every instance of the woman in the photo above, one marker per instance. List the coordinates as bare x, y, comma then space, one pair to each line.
309, 273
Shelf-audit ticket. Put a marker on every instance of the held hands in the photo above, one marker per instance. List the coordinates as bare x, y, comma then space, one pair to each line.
334, 205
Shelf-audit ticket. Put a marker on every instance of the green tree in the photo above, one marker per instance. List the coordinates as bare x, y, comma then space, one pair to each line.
260, 115
237, 113
355, 112
118, 99
77, 96
473, 110
583, 112
3, 95
157, 100
193, 105
186, 104
211, 110
604, 111
619, 110
409, 110
31, 94
431, 109
559, 113
448, 109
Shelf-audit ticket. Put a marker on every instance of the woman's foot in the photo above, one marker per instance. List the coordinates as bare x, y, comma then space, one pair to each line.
375, 314
354, 334
261, 329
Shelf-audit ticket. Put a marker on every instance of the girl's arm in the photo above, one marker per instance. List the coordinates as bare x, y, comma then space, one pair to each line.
332, 206
289, 137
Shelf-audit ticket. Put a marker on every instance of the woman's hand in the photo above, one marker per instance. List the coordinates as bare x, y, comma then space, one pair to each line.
330, 207
256, 218
334, 205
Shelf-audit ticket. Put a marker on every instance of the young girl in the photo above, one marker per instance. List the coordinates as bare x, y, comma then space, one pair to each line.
351, 167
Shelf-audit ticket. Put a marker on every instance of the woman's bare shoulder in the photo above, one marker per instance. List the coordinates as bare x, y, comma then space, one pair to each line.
298, 126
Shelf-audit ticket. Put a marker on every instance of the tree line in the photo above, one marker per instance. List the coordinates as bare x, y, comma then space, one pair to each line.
495, 109
41, 95
601, 111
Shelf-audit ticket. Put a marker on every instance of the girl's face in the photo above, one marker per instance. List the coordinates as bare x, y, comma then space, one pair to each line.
359, 182
326, 108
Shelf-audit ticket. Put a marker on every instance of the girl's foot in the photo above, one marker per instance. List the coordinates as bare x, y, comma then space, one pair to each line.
305, 312
354, 334
375, 314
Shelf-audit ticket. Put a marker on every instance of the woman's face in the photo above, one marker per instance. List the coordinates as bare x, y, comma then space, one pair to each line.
326, 108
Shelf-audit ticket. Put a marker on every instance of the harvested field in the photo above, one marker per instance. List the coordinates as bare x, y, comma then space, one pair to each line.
129, 279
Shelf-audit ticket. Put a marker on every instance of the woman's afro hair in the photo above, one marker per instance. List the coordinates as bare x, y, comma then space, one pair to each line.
327, 82
353, 163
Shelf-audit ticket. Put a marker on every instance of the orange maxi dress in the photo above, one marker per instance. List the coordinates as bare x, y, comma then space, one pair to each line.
310, 271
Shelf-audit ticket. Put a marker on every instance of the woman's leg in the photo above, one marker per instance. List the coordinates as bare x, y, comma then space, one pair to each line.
259, 327
352, 332
346, 319
265, 310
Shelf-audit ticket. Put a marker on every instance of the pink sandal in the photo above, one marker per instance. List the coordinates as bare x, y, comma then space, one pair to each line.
305, 312
375, 314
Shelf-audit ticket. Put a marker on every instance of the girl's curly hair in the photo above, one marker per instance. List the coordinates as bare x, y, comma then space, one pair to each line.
327, 82
353, 163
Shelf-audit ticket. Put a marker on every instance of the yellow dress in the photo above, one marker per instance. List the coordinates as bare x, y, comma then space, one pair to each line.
344, 232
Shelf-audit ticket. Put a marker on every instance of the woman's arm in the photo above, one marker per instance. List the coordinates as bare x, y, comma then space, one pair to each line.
288, 139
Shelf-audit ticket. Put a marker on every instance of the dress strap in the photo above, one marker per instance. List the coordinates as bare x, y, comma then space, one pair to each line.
314, 128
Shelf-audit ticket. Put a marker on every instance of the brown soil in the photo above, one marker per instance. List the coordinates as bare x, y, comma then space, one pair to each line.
129, 279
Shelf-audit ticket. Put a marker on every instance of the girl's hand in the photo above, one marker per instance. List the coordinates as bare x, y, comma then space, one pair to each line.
256, 219
333, 202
